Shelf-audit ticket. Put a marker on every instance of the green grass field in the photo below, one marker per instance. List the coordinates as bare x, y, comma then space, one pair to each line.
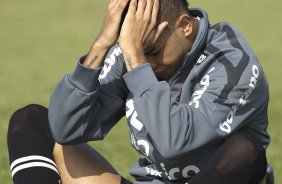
40, 41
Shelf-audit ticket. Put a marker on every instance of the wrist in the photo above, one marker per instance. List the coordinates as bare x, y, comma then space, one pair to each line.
96, 55
132, 51
100, 46
133, 58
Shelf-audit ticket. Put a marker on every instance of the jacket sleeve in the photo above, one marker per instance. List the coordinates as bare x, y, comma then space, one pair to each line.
87, 103
179, 128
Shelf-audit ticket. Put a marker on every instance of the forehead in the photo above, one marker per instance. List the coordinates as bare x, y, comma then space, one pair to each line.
167, 38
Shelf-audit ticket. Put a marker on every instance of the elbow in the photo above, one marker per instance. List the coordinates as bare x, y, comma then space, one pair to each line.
70, 134
62, 139
65, 134
67, 139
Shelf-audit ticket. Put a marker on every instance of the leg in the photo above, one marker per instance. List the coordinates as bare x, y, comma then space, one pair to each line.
241, 159
31, 150
82, 164
30, 146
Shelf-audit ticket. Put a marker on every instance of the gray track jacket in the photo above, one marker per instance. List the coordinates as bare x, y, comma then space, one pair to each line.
175, 125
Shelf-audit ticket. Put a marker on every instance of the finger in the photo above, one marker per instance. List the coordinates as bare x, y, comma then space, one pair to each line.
132, 7
155, 11
113, 3
120, 6
160, 29
148, 10
124, 3
141, 8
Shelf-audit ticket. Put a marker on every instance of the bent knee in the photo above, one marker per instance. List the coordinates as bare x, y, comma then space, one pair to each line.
26, 116
32, 108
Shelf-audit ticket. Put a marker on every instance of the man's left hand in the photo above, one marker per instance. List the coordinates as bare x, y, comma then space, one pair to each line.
140, 31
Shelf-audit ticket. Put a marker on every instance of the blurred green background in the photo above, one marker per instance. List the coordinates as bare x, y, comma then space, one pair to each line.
40, 41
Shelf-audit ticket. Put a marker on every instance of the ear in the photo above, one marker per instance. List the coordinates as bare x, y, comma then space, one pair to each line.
184, 24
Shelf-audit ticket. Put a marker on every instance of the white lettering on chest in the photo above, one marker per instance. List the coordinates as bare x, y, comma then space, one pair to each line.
197, 95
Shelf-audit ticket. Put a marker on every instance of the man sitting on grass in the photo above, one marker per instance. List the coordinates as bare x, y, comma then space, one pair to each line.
194, 94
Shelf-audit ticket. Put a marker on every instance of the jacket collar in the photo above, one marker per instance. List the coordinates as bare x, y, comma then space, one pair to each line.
201, 37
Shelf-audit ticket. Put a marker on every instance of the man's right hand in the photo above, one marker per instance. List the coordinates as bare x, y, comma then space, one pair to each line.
108, 35
112, 23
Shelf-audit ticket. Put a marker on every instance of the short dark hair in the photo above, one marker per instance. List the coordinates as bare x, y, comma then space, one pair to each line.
169, 10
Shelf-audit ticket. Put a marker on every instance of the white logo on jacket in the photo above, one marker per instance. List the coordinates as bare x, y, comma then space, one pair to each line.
109, 62
201, 59
225, 126
153, 171
197, 95
131, 115
184, 172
